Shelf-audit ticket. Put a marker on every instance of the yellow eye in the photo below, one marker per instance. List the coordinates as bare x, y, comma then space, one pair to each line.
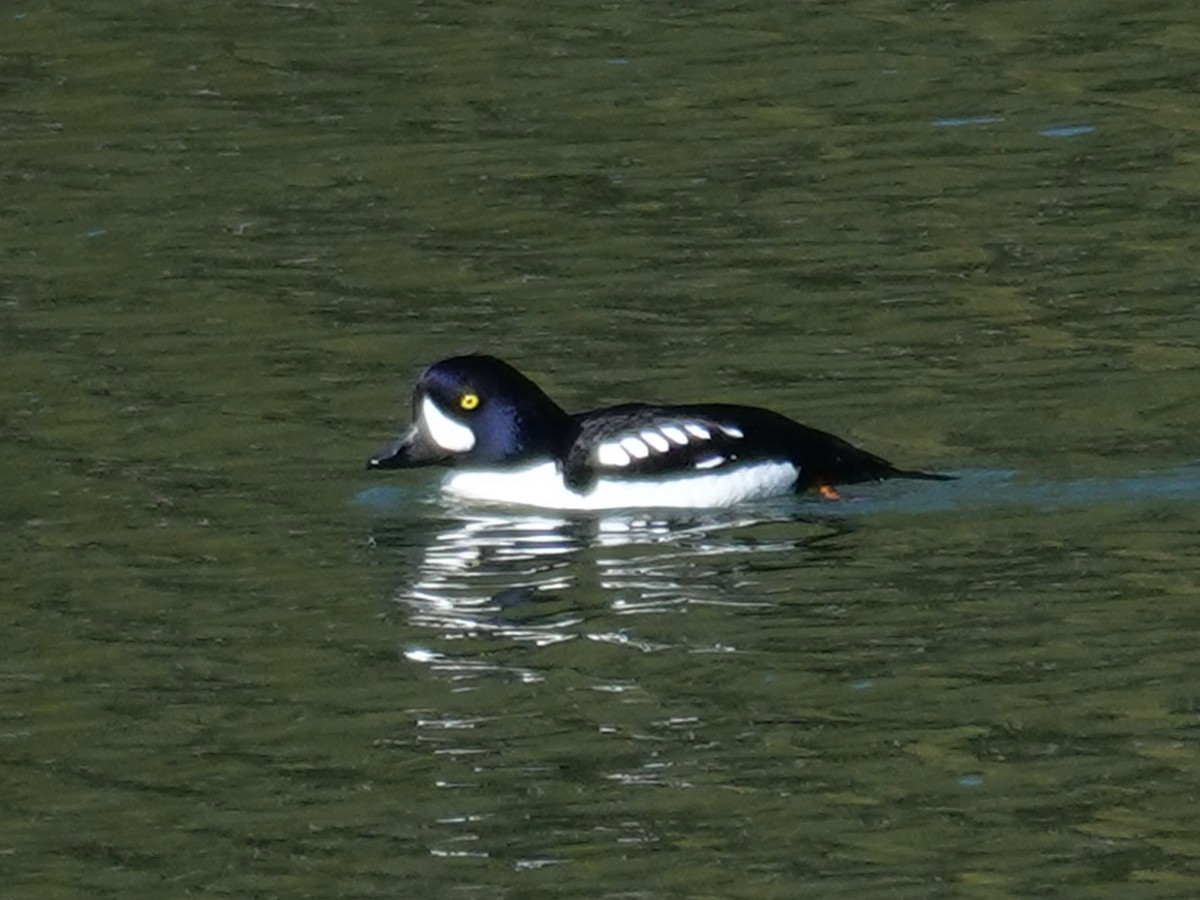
468, 401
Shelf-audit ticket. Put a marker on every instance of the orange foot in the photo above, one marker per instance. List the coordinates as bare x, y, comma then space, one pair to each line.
827, 491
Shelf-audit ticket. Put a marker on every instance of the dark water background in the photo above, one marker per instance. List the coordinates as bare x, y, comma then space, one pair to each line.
235, 664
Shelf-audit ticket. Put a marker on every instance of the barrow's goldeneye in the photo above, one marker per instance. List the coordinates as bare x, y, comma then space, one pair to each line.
507, 442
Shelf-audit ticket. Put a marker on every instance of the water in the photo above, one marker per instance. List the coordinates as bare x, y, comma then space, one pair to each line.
234, 663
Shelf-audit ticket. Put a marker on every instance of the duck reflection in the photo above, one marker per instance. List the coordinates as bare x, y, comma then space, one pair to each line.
481, 574
542, 580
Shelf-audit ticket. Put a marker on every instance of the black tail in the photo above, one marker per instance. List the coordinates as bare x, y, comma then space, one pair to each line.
826, 459
840, 462
924, 476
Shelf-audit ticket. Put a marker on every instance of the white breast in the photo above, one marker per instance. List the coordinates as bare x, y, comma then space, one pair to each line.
541, 485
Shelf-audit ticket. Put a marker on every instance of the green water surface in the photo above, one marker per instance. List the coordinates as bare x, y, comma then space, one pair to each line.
235, 664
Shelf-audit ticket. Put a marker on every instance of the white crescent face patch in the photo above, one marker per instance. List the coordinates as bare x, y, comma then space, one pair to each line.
443, 430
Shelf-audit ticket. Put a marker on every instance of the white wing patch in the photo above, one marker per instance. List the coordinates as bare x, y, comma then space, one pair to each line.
675, 434
635, 447
656, 439
624, 451
611, 453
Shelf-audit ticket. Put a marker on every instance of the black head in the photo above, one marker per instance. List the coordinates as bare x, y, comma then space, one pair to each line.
477, 410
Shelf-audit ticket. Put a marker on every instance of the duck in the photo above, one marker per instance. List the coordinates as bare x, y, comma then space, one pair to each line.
505, 441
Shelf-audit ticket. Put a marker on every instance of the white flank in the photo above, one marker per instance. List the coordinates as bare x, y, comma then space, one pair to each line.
612, 454
635, 447
541, 485
675, 434
697, 431
443, 430
656, 440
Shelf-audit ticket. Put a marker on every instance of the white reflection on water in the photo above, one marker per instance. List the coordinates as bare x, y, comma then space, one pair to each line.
481, 564
535, 579
487, 574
